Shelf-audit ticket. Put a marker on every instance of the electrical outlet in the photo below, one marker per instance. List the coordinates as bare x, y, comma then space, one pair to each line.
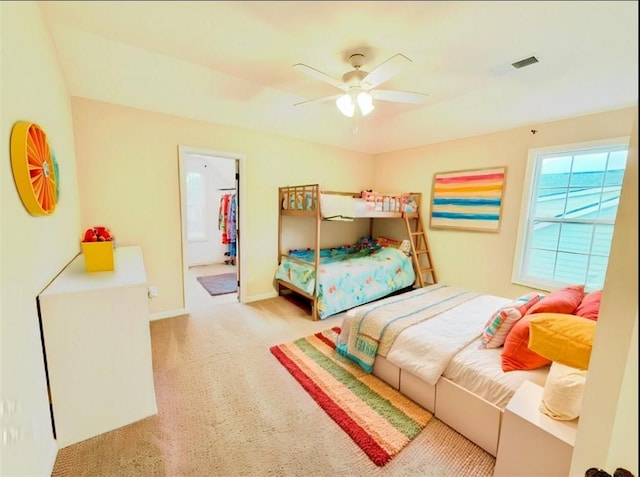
153, 292
11, 434
8, 407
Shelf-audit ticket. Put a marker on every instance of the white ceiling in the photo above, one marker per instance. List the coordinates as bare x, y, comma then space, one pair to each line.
231, 62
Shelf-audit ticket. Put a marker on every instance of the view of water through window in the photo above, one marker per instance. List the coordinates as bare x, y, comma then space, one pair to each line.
575, 204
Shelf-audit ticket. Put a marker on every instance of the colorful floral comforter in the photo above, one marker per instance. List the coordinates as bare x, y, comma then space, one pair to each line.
348, 278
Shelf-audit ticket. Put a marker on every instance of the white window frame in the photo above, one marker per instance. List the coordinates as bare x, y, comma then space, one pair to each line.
201, 235
530, 185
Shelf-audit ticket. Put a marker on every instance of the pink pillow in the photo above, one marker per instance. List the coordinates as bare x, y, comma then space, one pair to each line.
589, 307
516, 354
564, 300
500, 323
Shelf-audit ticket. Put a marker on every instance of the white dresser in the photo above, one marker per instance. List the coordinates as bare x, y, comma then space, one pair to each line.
97, 345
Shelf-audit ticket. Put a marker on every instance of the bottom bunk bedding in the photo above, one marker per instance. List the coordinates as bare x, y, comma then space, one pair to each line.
348, 276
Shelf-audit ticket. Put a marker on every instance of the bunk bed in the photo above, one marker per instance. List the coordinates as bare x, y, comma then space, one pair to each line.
335, 279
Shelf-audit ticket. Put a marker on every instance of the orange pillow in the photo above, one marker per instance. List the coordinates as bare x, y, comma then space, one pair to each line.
589, 307
564, 300
516, 354
387, 242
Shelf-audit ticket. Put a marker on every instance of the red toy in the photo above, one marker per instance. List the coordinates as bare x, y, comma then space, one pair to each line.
97, 234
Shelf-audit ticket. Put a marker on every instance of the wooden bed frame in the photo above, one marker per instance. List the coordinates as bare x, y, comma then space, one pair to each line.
310, 208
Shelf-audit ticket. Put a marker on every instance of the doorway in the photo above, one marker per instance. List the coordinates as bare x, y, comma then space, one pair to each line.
210, 222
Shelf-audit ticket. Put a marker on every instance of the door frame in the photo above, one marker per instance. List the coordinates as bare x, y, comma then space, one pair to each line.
240, 222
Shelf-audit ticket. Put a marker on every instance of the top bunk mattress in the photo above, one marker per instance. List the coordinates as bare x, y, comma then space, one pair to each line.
343, 207
307, 199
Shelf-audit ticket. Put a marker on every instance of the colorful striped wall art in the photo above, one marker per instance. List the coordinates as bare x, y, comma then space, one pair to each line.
468, 200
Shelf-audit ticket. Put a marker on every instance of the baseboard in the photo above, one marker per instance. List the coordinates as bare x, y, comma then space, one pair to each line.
263, 296
161, 315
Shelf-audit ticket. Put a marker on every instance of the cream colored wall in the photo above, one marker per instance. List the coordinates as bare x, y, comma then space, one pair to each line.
128, 174
32, 249
128, 179
608, 436
608, 431
479, 260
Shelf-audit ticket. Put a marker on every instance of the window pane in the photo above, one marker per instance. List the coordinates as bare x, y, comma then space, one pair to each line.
615, 168
588, 170
609, 203
575, 238
541, 263
570, 222
195, 207
550, 202
545, 235
571, 268
583, 201
554, 171
603, 235
597, 272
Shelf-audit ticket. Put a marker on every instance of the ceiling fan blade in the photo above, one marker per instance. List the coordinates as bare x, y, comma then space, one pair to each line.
387, 70
325, 99
317, 74
398, 96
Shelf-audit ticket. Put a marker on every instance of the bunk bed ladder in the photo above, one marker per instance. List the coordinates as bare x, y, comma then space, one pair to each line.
420, 252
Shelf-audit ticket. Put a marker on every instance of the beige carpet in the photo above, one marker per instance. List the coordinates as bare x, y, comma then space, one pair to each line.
228, 408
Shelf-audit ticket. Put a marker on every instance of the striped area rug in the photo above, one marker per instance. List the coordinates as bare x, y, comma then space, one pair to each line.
377, 417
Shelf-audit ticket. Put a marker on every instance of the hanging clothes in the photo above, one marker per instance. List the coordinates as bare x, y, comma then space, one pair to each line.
227, 216
223, 217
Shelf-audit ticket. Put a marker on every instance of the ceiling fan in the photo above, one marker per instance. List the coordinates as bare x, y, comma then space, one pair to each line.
358, 86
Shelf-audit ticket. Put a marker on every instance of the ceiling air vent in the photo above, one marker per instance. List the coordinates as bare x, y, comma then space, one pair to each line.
526, 62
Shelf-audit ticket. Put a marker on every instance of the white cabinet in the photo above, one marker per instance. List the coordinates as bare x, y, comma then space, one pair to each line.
532, 443
97, 346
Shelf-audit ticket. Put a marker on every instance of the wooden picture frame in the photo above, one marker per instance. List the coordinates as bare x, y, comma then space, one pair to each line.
468, 200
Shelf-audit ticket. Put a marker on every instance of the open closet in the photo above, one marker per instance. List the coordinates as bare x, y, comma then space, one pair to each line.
209, 182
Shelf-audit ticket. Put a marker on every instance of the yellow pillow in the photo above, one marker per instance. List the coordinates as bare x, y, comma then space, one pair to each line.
565, 339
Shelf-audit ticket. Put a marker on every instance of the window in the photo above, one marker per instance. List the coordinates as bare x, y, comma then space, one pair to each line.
196, 229
569, 211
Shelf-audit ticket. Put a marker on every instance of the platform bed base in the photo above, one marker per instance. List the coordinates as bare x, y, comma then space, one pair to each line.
472, 416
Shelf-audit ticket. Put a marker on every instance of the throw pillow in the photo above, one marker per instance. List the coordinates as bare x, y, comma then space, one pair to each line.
589, 307
387, 242
516, 355
565, 339
564, 300
500, 323
563, 392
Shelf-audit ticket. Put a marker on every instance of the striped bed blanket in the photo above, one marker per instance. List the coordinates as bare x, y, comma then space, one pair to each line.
374, 328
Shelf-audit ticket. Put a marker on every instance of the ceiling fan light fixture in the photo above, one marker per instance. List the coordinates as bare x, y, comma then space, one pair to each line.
358, 86
365, 103
346, 105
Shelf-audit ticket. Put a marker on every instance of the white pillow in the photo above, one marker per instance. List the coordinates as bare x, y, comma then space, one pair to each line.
563, 392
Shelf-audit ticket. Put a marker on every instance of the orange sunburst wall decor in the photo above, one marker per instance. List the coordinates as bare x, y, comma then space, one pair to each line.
35, 170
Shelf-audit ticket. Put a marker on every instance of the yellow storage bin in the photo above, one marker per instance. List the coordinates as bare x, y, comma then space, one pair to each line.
98, 256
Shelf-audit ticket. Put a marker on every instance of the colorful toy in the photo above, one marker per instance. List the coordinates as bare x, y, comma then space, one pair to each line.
97, 234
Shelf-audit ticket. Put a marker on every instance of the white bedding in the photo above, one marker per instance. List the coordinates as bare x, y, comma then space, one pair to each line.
425, 349
448, 345
347, 208
337, 207
480, 371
